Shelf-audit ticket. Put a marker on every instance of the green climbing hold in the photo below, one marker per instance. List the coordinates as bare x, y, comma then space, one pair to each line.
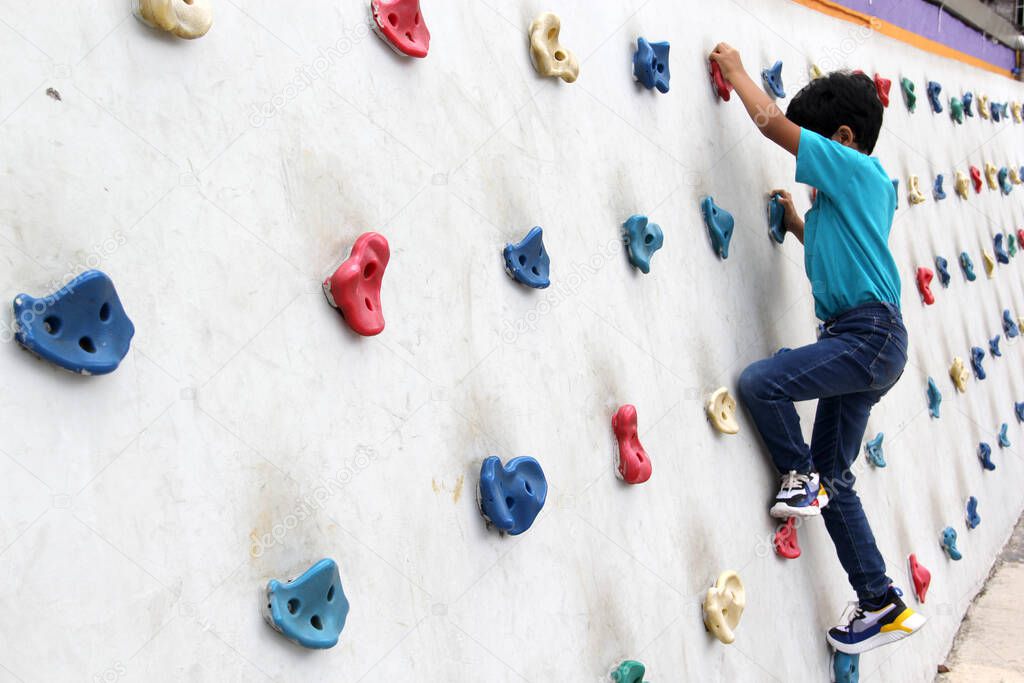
956, 110
909, 95
1011, 244
629, 672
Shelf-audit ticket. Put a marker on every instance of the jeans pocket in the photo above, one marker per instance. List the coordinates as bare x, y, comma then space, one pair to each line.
889, 362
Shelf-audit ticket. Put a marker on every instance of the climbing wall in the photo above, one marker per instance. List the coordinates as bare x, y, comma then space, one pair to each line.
249, 432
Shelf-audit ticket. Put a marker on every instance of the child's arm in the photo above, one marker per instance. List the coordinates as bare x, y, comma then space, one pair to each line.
769, 119
792, 221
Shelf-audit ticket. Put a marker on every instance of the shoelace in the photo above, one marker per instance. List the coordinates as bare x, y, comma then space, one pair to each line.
794, 481
852, 613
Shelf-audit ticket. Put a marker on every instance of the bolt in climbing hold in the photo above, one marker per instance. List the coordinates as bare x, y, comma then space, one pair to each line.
924, 280
968, 100
942, 270
949, 543
993, 346
512, 496
527, 262
956, 110
976, 179
934, 89
400, 24
985, 456
354, 288
721, 411
914, 190
183, 18
909, 94
1003, 179
549, 57
958, 371
845, 667
723, 606
1010, 328
1000, 249
977, 358
934, 398
972, 517
990, 263
983, 106
776, 219
1004, 436
650, 65
642, 239
634, 464
873, 448
772, 77
82, 327
629, 672
962, 184
991, 175
967, 265
720, 225
722, 87
920, 577
309, 610
883, 85
786, 543
937, 190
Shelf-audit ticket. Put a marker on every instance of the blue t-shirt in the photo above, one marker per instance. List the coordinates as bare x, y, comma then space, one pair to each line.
846, 232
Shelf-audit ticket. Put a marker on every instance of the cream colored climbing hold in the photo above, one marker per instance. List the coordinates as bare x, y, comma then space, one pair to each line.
721, 410
914, 190
816, 72
990, 263
1014, 176
958, 372
183, 18
963, 184
548, 55
991, 175
983, 106
723, 606
1015, 110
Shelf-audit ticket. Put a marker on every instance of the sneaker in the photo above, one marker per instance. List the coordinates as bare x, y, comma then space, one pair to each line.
801, 495
865, 629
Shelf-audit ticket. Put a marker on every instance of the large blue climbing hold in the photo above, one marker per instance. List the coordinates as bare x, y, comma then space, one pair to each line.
967, 265
999, 246
949, 543
82, 327
1010, 328
311, 609
512, 496
773, 79
845, 668
985, 456
527, 262
1018, 409
968, 101
973, 519
1004, 180
993, 346
720, 225
1004, 436
650, 65
934, 89
977, 360
776, 219
642, 239
876, 455
995, 110
937, 190
942, 270
934, 398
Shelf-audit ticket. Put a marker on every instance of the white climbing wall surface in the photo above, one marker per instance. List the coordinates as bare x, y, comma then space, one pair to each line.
249, 433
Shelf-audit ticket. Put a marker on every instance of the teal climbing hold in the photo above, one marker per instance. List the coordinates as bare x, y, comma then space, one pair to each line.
311, 609
967, 265
949, 543
1018, 410
956, 110
642, 238
720, 225
1004, 180
776, 219
845, 667
934, 398
1004, 436
876, 455
629, 671
909, 94
896, 189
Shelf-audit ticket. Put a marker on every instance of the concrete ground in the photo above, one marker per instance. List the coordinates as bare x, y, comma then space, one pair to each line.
990, 644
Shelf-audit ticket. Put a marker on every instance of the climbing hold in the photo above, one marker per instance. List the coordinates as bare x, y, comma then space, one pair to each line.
914, 190
958, 371
949, 543
642, 239
883, 85
990, 263
1018, 409
942, 270
972, 517
1014, 176
182, 18
962, 184
968, 100
650, 65
1020, 238
527, 262
787, 544
311, 609
1011, 244
1015, 110
720, 224
934, 398
991, 175
772, 77
549, 57
924, 280
1000, 250
934, 89
976, 178
977, 358
845, 667
816, 72
956, 110
354, 289
921, 578
895, 188
1003, 178
1010, 328
82, 327
968, 266
723, 88
721, 411
1004, 437
876, 455
629, 672
634, 464
937, 190
909, 94
985, 456
993, 346
723, 606
996, 111
983, 106
400, 24
512, 496
776, 219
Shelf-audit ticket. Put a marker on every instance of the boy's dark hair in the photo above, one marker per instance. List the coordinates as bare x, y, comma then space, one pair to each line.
838, 99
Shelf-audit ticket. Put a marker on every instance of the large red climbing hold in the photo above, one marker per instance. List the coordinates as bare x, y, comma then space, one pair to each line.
976, 179
722, 86
786, 542
401, 24
354, 289
922, 578
1020, 237
883, 85
924, 281
634, 465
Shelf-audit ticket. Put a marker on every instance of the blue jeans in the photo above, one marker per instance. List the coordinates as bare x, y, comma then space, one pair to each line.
858, 357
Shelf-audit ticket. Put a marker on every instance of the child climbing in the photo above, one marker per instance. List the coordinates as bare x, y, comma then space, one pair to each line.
831, 128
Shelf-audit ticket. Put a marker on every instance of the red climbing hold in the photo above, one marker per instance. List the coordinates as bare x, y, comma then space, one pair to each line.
786, 543
924, 281
722, 86
1020, 238
634, 465
883, 85
922, 578
976, 178
401, 24
354, 289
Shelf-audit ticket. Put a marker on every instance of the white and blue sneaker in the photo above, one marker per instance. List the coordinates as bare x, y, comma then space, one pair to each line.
801, 495
865, 627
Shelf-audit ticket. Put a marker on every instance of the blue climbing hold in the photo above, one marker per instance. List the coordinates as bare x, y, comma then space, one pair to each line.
776, 218
985, 455
968, 266
1018, 409
845, 668
937, 190
995, 110
773, 79
527, 262
993, 346
968, 100
949, 543
942, 270
1004, 180
999, 246
934, 89
309, 610
874, 450
512, 496
934, 398
973, 518
82, 327
650, 65
1004, 436
977, 358
720, 225
896, 189
642, 239
1010, 328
